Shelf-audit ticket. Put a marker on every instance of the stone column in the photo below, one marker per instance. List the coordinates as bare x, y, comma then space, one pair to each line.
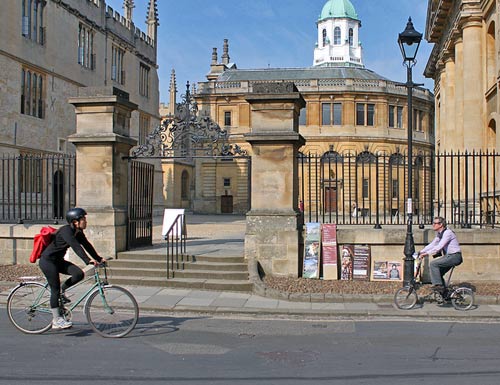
453, 138
102, 139
473, 100
459, 89
274, 223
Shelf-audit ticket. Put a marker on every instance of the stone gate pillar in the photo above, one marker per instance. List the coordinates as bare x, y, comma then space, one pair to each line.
274, 223
102, 139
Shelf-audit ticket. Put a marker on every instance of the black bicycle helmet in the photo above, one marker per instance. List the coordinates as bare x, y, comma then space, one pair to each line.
75, 214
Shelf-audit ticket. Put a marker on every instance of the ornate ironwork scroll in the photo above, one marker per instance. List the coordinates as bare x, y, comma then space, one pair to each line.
187, 135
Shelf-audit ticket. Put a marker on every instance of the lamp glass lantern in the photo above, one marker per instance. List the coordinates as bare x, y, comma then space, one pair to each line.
409, 41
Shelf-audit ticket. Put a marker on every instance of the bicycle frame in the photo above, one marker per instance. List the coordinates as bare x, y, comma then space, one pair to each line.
97, 284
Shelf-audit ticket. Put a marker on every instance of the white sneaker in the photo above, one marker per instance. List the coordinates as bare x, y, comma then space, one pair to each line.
61, 323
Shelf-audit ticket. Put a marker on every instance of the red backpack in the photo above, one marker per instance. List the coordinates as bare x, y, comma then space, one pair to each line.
41, 241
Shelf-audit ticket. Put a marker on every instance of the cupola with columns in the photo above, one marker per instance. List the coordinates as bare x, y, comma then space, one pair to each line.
338, 36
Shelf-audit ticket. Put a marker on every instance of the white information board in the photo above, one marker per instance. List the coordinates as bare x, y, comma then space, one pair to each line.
169, 217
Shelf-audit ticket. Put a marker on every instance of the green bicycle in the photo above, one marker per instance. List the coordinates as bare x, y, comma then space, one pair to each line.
111, 311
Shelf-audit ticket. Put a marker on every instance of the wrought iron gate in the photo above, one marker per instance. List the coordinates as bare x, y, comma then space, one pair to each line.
140, 204
182, 137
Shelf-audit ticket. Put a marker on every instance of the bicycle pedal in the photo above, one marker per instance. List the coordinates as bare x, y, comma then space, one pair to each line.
65, 299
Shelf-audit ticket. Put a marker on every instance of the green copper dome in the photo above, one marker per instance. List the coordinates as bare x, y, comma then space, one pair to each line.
338, 8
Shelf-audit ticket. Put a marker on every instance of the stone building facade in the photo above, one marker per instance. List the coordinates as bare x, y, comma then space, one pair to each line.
349, 110
464, 66
49, 49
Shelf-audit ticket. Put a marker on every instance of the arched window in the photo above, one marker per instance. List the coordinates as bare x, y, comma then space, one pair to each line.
366, 157
491, 55
332, 157
324, 37
336, 36
351, 37
184, 184
396, 159
492, 132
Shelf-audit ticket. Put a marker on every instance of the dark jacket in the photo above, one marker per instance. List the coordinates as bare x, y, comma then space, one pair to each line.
65, 238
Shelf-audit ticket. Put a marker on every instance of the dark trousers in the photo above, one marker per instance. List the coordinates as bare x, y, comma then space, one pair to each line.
52, 269
440, 266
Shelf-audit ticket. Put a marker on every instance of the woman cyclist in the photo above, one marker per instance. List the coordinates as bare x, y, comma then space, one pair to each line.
52, 261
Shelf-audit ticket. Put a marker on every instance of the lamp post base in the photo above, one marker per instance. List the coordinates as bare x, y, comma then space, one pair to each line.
409, 264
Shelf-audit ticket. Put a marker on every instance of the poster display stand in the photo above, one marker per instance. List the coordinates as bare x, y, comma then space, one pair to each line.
330, 256
312, 249
361, 262
346, 263
387, 271
169, 217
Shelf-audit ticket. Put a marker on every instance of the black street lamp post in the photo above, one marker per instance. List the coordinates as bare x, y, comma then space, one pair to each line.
409, 41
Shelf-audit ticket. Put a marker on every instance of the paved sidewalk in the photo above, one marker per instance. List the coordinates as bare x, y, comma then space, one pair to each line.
225, 235
169, 301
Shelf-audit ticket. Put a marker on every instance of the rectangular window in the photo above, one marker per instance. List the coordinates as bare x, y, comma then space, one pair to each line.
365, 114
400, 117
326, 114
32, 93
227, 118
391, 116
395, 189
117, 72
360, 114
227, 182
337, 114
365, 191
144, 80
32, 20
86, 57
370, 115
144, 122
331, 114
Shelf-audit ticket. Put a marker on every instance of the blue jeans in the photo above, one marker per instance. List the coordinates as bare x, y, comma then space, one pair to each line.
440, 266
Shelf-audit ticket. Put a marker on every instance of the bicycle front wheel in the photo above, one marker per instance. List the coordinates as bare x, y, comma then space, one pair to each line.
405, 298
462, 298
113, 314
28, 308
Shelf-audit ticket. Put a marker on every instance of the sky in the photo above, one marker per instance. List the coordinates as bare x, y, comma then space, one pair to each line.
273, 33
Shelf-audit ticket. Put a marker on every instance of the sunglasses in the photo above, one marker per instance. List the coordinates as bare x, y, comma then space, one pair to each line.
436, 223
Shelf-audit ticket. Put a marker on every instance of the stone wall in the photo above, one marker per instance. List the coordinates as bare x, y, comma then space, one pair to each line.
481, 247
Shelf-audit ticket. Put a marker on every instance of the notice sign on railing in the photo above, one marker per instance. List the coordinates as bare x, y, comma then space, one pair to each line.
329, 245
361, 262
355, 262
312, 250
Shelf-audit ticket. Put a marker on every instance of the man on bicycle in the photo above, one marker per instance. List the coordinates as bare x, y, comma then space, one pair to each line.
52, 261
447, 245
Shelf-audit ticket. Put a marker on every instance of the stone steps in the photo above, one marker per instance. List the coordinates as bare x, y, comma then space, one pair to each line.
226, 273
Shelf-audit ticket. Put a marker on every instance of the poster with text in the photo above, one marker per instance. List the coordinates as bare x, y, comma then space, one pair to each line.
395, 272
379, 270
346, 262
361, 262
329, 247
312, 250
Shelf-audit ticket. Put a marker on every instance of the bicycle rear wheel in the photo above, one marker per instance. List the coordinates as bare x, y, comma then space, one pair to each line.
462, 298
28, 308
113, 315
405, 298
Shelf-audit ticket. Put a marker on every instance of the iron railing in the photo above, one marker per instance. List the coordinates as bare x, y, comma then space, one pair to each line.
372, 189
176, 237
36, 188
